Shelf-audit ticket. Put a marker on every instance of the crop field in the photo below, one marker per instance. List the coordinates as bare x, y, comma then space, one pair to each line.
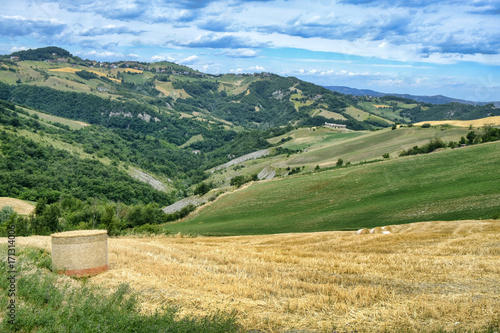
168, 90
357, 113
20, 206
495, 121
422, 277
453, 184
74, 70
326, 148
331, 115
387, 111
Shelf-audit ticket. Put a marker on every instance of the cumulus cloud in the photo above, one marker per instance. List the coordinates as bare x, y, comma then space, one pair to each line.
15, 26
241, 53
191, 60
222, 41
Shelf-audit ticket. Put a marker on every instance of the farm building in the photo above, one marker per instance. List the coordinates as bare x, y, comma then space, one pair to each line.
332, 125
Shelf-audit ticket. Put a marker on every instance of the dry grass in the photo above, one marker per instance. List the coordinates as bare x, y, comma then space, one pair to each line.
19, 206
465, 123
421, 277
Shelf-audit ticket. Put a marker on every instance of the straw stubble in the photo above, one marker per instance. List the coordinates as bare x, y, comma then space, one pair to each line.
421, 277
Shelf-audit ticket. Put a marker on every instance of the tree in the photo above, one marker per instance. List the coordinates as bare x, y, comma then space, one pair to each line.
40, 207
340, 162
471, 136
202, 189
50, 217
238, 181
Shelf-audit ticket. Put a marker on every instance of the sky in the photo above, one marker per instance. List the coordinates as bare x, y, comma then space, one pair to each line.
420, 47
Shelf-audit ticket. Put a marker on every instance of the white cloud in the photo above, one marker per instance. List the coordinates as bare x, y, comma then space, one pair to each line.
157, 58
189, 60
20, 48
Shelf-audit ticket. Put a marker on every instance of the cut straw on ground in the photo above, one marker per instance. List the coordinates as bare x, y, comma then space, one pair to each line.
421, 277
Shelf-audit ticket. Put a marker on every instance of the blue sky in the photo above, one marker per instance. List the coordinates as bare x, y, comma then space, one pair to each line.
419, 47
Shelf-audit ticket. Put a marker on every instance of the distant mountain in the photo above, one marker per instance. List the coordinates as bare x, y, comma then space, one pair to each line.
437, 99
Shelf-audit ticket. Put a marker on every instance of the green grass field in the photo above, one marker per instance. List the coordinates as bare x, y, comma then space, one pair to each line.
324, 146
73, 124
449, 185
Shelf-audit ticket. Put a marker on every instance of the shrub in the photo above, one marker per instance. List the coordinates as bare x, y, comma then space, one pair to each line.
426, 125
202, 189
238, 181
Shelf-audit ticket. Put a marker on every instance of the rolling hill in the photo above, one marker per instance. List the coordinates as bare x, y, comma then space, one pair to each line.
154, 133
449, 185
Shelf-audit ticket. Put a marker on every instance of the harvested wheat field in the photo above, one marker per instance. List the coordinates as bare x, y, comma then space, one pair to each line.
19, 206
421, 277
465, 123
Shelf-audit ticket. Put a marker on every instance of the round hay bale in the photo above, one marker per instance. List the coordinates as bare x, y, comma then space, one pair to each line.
362, 232
376, 230
80, 252
387, 228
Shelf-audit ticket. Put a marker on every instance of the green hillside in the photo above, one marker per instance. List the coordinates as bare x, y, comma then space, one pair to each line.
307, 148
155, 133
449, 185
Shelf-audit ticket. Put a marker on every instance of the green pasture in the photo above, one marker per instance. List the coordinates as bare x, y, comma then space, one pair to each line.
73, 124
387, 113
357, 113
453, 184
325, 146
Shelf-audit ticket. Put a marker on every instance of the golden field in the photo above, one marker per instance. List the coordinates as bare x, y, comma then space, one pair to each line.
74, 70
465, 123
422, 277
19, 206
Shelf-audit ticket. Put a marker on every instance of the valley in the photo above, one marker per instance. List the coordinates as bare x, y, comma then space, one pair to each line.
243, 192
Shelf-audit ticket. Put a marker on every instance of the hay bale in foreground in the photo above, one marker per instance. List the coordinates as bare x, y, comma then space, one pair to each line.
376, 230
362, 232
80, 252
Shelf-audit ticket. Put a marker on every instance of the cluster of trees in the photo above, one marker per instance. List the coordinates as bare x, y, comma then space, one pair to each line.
423, 112
31, 171
70, 213
86, 75
123, 147
425, 149
42, 54
242, 179
488, 134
